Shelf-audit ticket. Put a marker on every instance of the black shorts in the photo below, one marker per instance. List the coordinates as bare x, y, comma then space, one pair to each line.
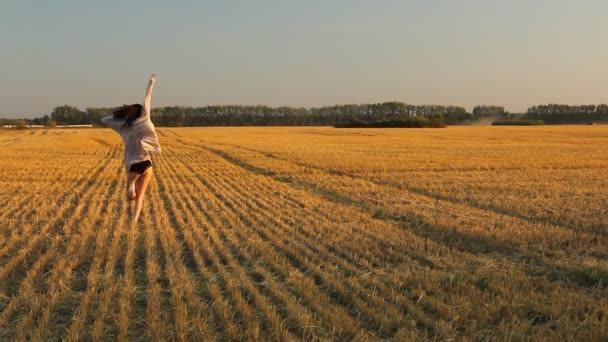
140, 167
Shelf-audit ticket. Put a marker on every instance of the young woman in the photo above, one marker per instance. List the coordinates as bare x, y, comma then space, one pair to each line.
133, 124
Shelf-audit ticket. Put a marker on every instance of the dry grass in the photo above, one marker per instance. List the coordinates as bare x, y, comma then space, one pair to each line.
468, 233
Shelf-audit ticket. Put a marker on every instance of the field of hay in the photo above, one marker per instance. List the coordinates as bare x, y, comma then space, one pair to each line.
468, 233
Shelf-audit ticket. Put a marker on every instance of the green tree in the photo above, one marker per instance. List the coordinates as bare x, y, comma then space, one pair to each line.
480, 112
68, 115
94, 115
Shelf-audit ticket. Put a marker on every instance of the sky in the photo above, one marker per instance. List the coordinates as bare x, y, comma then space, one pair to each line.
511, 53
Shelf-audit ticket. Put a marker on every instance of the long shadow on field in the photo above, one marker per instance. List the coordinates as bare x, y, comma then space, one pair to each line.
449, 236
223, 264
594, 229
286, 250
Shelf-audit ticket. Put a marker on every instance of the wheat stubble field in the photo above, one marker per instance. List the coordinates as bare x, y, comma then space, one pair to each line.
466, 233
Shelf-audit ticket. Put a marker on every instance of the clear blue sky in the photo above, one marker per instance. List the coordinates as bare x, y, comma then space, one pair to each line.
310, 53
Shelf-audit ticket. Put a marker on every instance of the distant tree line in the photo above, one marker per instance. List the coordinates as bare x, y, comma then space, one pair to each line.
482, 112
565, 114
240, 115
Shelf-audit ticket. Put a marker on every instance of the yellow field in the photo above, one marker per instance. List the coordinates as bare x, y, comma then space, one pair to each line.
470, 233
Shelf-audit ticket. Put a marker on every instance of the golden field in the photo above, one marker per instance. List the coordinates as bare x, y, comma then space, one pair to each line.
466, 233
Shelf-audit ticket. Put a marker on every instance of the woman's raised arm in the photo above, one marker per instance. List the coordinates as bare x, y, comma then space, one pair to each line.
148, 98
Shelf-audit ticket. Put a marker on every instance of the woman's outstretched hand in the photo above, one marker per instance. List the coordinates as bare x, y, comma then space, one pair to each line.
153, 78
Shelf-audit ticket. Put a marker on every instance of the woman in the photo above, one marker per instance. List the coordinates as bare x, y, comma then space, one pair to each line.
133, 124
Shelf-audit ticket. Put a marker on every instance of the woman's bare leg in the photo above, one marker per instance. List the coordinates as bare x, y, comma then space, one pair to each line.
140, 188
131, 180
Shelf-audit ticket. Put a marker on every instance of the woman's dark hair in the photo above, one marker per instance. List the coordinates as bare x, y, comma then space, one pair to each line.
129, 113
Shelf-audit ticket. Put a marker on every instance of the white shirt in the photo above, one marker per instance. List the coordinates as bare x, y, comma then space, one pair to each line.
140, 139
